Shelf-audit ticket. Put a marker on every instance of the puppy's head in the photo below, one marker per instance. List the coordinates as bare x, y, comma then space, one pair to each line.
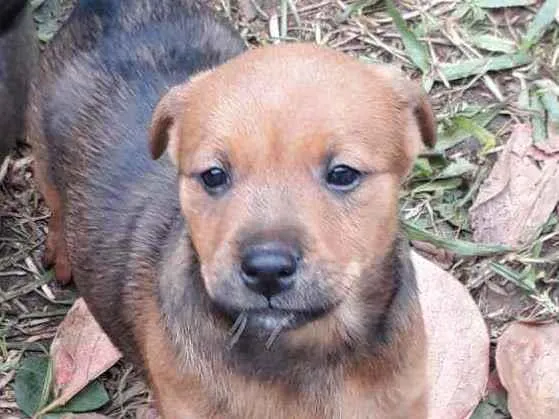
290, 160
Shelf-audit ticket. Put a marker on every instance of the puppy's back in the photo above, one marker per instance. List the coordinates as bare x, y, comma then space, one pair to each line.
94, 106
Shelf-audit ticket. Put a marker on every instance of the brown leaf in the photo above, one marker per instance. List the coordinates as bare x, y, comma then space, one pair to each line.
458, 342
518, 196
528, 363
80, 351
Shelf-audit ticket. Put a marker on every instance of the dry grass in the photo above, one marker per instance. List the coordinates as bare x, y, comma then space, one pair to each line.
476, 109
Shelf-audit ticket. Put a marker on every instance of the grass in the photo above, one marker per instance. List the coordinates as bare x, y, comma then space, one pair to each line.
485, 66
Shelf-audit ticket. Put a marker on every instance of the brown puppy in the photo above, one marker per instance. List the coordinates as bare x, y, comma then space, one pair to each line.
255, 270
290, 161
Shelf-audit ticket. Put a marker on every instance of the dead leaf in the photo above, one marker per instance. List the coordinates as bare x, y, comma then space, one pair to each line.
80, 352
458, 342
528, 363
518, 196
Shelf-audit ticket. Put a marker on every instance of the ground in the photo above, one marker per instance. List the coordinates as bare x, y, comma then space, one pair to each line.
477, 105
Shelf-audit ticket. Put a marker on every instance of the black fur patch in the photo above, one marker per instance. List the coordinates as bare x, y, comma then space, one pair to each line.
10, 11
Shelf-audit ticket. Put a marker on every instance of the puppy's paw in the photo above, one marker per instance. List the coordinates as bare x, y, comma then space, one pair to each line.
55, 255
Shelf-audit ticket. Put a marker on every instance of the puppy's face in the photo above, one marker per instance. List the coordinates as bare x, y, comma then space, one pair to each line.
290, 160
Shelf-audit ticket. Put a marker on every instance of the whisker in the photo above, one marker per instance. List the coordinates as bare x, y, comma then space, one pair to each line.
237, 323
237, 329
276, 332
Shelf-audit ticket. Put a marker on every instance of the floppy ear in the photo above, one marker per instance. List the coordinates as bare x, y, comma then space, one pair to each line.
165, 122
164, 127
423, 113
421, 118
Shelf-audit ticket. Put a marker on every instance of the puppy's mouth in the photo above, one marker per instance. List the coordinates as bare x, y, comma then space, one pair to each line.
270, 319
267, 322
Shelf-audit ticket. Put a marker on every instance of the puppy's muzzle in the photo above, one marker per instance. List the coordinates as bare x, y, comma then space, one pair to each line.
269, 268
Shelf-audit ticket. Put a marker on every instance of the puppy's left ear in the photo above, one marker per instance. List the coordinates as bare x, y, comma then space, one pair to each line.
422, 127
421, 124
165, 130
423, 112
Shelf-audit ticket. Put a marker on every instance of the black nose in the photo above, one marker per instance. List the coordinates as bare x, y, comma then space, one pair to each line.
268, 268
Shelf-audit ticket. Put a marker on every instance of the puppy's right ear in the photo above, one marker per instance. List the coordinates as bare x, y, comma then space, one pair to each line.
164, 122
166, 119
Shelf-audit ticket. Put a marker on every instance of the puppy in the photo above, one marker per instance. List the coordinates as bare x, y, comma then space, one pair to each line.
18, 55
237, 234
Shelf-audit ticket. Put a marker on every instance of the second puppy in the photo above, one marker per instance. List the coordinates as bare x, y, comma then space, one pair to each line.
18, 59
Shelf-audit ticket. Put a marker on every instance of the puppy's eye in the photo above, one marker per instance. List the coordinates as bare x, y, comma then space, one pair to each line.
343, 178
214, 179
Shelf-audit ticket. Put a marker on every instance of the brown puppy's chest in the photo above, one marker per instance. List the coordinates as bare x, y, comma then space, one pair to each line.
381, 388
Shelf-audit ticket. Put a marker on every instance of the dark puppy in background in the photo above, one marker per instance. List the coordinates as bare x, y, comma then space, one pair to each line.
18, 58
255, 270
133, 49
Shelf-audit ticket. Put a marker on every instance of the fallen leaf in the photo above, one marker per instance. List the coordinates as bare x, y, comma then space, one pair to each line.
32, 384
458, 342
81, 352
527, 359
90, 398
518, 196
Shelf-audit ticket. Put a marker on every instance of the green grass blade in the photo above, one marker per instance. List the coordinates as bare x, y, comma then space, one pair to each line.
460, 247
551, 104
539, 130
540, 23
355, 9
415, 49
512, 276
455, 134
438, 185
493, 43
486, 139
475, 66
494, 4
457, 168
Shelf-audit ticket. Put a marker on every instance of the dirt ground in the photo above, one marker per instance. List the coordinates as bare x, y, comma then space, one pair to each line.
476, 107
